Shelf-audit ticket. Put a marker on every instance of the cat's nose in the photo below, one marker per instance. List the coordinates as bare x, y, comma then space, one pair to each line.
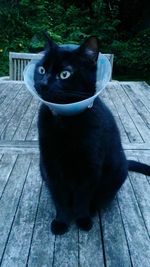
45, 80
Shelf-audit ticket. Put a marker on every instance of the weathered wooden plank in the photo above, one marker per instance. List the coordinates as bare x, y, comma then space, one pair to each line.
10, 67
16, 119
140, 124
33, 133
142, 93
106, 98
4, 91
141, 154
21, 73
10, 198
41, 253
114, 238
3, 96
126, 119
17, 70
145, 158
25, 123
20, 147
137, 146
90, 246
7, 115
21, 232
137, 236
6, 166
2, 87
10, 93
11, 82
17, 143
146, 90
141, 189
66, 249
139, 106
14, 69
25, 56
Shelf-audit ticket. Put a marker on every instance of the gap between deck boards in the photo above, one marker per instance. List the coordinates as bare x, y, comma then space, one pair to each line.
32, 146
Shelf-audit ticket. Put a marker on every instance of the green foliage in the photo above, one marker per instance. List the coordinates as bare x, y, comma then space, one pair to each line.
132, 56
23, 22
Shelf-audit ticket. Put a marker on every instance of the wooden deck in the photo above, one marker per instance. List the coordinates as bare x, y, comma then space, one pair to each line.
120, 236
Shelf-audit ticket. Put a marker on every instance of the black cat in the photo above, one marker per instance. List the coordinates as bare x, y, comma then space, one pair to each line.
81, 156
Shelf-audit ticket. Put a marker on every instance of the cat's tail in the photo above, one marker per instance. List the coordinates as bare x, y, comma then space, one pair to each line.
138, 167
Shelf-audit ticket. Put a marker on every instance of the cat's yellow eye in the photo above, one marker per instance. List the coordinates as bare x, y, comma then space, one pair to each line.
65, 74
41, 70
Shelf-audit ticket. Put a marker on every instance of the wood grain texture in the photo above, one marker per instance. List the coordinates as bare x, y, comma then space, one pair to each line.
24, 220
12, 126
43, 241
139, 106
25, 123
10, 93
126, 119
66, 249
32, 133
90, 246
8, 113
10, 198
107, 100
136, 232
142, 196
6, 166
139, 89
114, 237
140, 124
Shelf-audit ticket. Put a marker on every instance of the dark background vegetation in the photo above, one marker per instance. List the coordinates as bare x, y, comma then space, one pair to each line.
123, 27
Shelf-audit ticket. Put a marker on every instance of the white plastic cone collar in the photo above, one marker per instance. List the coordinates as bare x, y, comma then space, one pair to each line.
103, 77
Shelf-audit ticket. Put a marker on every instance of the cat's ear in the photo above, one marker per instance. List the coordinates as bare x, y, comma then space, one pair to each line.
90, 48
49, 43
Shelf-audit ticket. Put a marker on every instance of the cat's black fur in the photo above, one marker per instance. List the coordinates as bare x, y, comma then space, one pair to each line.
81, 157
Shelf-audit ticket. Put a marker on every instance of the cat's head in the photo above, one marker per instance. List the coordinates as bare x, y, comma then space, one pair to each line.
66, 75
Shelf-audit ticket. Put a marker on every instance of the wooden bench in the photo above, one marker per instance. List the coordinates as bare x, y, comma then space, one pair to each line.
18, 61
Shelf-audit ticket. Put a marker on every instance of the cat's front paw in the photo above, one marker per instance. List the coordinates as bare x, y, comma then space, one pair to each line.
58, 228
84, 223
